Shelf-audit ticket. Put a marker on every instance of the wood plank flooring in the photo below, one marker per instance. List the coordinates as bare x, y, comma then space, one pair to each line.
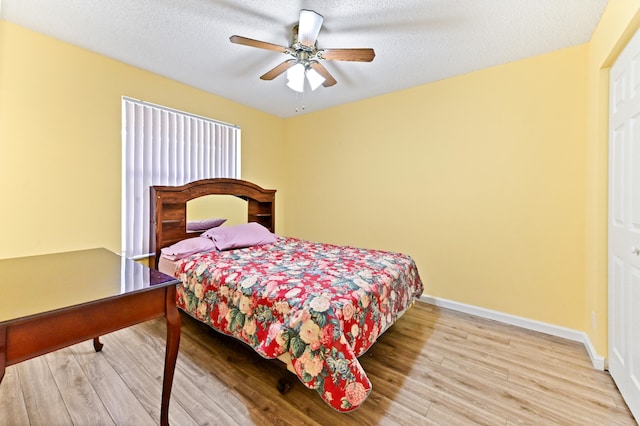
433, 367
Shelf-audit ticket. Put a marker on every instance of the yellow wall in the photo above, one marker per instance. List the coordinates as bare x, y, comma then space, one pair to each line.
60, 156
480, 178
619, 22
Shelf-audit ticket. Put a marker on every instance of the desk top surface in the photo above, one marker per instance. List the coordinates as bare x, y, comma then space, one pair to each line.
34, 285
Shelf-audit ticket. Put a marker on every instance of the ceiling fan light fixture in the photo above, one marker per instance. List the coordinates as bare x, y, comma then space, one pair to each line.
309, 27
304, 55
295, 75
315, 79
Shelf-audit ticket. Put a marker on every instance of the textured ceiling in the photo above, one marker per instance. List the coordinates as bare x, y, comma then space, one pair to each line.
416, 41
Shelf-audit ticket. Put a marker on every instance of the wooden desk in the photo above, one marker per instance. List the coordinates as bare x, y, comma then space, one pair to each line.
52, 301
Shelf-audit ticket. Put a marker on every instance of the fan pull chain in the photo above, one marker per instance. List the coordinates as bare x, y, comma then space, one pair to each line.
299, 97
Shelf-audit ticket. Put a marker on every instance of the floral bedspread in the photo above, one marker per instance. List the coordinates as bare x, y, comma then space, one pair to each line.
323, 304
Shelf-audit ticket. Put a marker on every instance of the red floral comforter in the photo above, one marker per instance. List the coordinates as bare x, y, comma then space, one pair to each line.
323, 304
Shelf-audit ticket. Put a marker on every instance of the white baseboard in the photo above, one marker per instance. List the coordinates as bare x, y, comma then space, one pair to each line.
598, 361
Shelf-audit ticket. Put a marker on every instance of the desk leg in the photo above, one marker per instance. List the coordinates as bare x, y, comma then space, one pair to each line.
3, 351
97, 344
171, 353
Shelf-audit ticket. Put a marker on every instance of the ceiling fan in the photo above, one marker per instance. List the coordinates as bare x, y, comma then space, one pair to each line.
306, 56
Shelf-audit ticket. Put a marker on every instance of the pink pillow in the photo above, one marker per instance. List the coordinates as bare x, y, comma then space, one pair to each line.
239, 236
203, 225
187, 247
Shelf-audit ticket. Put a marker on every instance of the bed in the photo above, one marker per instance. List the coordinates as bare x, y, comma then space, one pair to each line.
315, 306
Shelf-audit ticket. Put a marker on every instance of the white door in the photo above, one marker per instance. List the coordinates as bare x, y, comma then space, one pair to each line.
624, 224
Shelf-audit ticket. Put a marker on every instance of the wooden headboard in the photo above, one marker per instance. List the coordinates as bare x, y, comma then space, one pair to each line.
169, 208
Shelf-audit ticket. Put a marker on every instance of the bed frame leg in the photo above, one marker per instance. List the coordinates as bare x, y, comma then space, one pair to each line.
283, 385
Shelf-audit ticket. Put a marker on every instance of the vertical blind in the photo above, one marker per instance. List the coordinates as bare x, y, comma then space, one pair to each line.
163, 146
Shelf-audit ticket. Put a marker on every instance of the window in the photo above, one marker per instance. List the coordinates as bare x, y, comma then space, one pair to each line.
163, 146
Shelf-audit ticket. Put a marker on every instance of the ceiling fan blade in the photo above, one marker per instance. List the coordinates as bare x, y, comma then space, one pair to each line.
309, 27
277, 70
328, 78
358, 55
257, 43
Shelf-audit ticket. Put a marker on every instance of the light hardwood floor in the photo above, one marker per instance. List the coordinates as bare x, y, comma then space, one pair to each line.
434, 366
